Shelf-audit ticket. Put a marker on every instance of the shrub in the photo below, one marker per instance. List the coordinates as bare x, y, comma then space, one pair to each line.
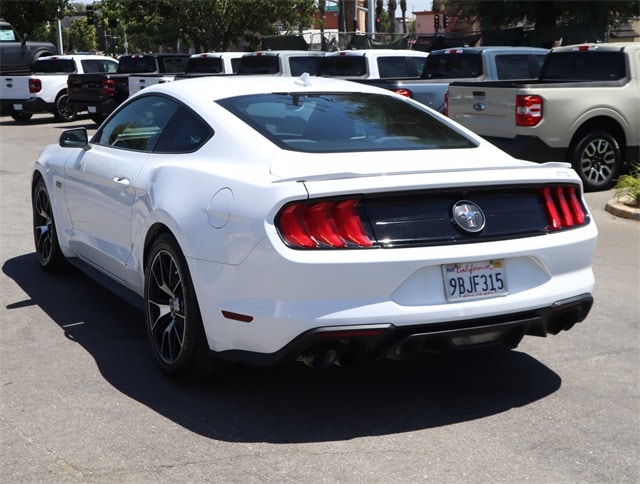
628, 186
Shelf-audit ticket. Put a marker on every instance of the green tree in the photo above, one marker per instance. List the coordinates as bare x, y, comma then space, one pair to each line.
82, 37
209, 25
494, 14
30, 17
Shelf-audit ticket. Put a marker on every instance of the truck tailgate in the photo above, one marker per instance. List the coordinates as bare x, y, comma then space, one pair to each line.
14, 87
487, 111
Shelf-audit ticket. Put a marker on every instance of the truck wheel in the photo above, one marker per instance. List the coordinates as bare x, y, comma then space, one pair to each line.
597, 159
21, 116
63, 110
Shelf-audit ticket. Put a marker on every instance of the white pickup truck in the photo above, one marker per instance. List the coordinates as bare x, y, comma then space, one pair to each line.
45, 90
281, 62
584, 109
373, 64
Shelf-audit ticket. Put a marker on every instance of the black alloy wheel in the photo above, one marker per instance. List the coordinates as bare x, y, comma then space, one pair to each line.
64, 110
598, 160
172, 316
44, 229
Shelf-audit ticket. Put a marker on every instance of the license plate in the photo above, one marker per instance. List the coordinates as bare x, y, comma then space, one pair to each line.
474, 280
17, 107
91, 109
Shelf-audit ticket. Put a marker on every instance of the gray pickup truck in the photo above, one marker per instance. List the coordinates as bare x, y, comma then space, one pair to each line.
464, 64
16, 53
584, 109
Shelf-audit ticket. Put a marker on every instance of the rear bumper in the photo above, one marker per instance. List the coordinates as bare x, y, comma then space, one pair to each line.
103, 108
529, 148
366, 343
31, 105
533, 148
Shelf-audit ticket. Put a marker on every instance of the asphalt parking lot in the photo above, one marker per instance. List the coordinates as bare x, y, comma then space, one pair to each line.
82, 401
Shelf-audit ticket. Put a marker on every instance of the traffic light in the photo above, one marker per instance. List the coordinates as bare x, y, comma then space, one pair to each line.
436, 21
90, 20
445, 21
378, 24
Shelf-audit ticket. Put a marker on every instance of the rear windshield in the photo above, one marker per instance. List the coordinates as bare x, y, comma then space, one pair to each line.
259, 64
452, 66
270, 64
53, 66
343, 122
212, 65
344, 66
585, 66
148, 64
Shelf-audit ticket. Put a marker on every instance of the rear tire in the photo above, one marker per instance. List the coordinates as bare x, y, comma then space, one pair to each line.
63, 110
598, 160
172, 315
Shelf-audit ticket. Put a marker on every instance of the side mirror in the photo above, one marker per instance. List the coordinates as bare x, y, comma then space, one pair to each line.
74, 138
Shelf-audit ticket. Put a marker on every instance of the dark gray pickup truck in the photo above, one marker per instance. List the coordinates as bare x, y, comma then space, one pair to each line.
18, 54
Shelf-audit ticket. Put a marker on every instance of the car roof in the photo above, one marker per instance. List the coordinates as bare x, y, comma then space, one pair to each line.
379, 52
220, 87
493, 48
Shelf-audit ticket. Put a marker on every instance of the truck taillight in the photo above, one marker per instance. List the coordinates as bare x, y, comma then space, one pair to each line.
403, 92
327, 224
528, 110
108, 87
563, 207
35, 85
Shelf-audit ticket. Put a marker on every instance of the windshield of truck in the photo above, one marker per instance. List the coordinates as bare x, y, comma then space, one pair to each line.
452, 66
7, 34
99, 65
585, 66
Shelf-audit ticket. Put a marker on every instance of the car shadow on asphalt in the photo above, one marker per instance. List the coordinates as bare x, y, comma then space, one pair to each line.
289, 404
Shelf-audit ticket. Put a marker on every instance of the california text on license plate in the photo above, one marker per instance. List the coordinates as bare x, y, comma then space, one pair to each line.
474, 280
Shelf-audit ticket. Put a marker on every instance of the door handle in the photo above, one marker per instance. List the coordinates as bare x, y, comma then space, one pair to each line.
121, 180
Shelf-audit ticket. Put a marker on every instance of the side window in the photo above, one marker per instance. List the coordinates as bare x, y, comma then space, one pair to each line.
138, 125
185, 133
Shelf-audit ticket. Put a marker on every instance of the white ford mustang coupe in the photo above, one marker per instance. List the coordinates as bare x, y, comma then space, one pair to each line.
260, 220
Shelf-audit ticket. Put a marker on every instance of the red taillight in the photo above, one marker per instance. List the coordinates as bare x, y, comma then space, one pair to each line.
108, 87
403, 92
562, 207
35, 85
324, 224
528, 110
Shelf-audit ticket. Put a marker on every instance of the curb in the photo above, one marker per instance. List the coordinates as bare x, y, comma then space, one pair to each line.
621, 210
